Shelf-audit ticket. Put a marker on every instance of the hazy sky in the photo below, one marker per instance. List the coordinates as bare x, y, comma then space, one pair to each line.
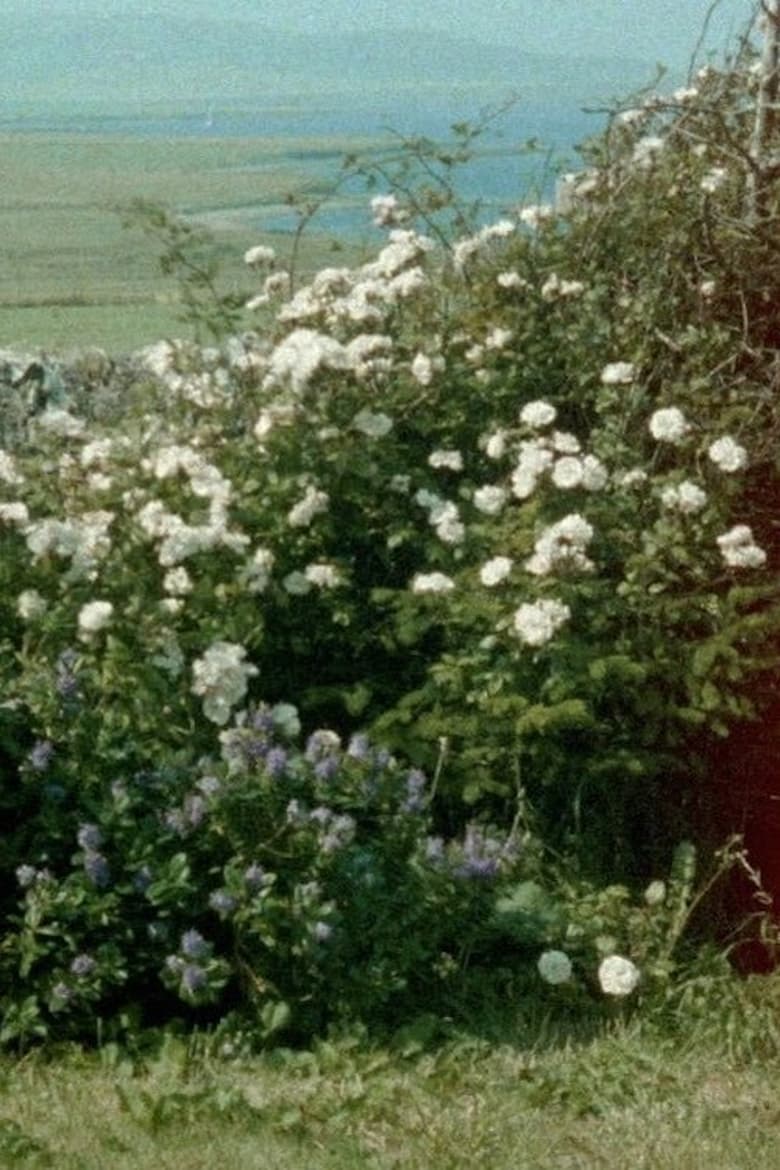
664, 30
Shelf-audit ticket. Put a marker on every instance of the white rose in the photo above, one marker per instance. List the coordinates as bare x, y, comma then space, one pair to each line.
618, 976
554, 967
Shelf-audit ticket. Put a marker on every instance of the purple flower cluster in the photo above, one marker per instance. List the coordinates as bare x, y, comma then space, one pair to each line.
97, 869
359, 747
194, 945
336, 830
262, 719
90, 838
255, 876
480, 857
65, 681
189, 816
323, 751
194, 809
434, 851
252, 743
321, 931
41, 755
82, 966
414, 801
222, 901
61, 994
186, 966
337, 833
276, 762
193, 978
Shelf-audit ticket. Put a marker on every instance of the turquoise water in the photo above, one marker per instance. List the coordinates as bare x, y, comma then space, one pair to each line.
501, 174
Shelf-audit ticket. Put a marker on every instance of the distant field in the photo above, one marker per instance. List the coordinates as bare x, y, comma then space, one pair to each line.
71, 274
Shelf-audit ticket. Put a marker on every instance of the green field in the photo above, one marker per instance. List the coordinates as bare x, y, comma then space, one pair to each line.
72, 274
535, 1096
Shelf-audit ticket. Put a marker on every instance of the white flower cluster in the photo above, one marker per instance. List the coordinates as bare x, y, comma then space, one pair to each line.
446, 522
179, 540
490, 499
256, 573
368, 293
373, 424
535, 457
536, 215
274, 415
554, 967
443, 516
446, 459
220, 677
574, 188
432, 583
387, 212
559, 456
276, 284
646, 151
498, 338
31, 605
322, 575
83, 539
496, 444
297, 358
618, 374
96, 453
561, 547
686, 498
177, 582
536, 623
202, 375
727, 454
94, 616
206, 481
713, 180
739, 550
304, 352
260, 256
14, 512
494, 571
424, 367
538, 414
59, 422
555, 289
669, 425
314, 502
618, 976
470, 247
8, 471
511, 279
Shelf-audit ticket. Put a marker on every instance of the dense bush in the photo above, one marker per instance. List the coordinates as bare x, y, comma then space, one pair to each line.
506, 504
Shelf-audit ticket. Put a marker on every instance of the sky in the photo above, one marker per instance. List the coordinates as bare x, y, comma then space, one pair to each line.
654, 30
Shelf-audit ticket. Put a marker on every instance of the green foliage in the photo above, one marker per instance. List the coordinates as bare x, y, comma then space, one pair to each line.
308, 883
189, 254
503, 501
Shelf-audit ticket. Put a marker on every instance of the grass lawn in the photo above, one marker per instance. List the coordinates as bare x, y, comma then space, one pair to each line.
72, 275
694, 1097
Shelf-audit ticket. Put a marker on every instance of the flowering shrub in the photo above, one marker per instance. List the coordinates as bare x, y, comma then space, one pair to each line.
309, 882
504, 500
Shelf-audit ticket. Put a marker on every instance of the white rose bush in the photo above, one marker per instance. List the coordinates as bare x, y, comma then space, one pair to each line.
486, 520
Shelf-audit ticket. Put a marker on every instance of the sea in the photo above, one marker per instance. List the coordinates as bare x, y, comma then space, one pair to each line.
524, 144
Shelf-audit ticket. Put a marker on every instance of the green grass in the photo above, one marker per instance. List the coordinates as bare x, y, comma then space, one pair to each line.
534, 1098
73, 275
